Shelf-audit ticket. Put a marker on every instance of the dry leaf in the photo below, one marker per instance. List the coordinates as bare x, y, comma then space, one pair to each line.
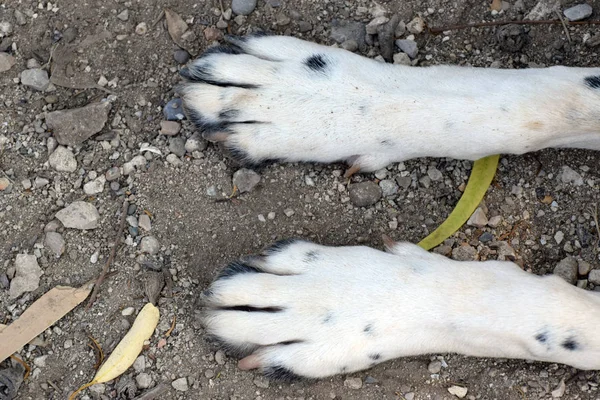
176, 26
496, 5
41, 315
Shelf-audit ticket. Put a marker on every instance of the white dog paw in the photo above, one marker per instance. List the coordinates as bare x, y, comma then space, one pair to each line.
306, 310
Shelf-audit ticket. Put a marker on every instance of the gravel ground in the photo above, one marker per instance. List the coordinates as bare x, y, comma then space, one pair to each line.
65, 174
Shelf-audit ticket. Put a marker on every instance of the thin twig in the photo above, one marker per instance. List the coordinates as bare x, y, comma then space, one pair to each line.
153, 393
112, 255
562, 21
436, 31
595, 217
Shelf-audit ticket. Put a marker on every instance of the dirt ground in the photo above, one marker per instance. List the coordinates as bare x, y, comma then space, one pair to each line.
547, 211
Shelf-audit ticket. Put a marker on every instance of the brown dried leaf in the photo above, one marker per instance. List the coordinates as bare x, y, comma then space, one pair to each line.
496, 5
41, 315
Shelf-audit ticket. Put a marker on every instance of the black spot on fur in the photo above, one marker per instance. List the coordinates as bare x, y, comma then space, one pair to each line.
316, 63
277, 372
542, 337
593, 82
343, 370
328, 318
375, 356
279, 246
368, 329
252, 309
311, 256
570, 344
229, 114
236, 268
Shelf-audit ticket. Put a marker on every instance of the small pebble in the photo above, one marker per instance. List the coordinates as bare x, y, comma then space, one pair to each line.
567, 269
364, 194
144, 222
458, 391
123, 15
173, 110
144, 381
353, 383
181, 384
181, 56
35, 78
578, 12
243, 7
62, 160
141, 28
408, 46
127, 311
149, 245
435, 367
169, 128
245, 180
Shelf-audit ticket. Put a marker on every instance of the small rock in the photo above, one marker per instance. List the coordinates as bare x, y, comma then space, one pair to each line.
288, 212
174, 160
141, 28
112, 174
144, 222
177, 146
123, 15
560, 390
75, 126
144, 381
261, 382
136, 162
181, 384
139, 365
369, 380
568, 175
243, 7
20, 18
220, 357
304, 26
408, 46
181, 56
62, 160
40, 182
435, 174
425, 181
169, 128
6, 28
79, 215
478, 218
402, 59
464, 253
94, 187
353, 383
127, 311
486, 237
40, 361
245, 180
4, 184
578, 12
594, 277
567, 269
559, 236
364, 194
195, 143
55, 243
27, 275
149, 245
371, 27
435, 367
6, 62
342, 30
350, 45
388, 187
416, 26
35, 78
173, 110
583, 267
211, 33
495, 221
458, 391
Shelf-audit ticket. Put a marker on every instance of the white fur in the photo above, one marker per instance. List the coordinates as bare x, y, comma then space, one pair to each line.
374, 113
413, 301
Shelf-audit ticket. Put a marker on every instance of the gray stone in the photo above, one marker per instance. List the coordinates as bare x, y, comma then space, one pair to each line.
94, 187
112, 174
350, 45
62, 160
364, 194
435, 367
177, 146
174, 160
495, 221
353, 383
371, 27
578, 12
404, 181
559, 237
20, 18
6, 62
435, 174
79, 215
181, 384
388, 187
169, 128
136, 162
570, 176
478, 218
75, 126
27, 275
243, 7
402, 59
195, 143
594, 277
464, 253
6, 28
567, 269
55, 243
123, 15
583, 267
261, 382
416, 26
40, 182
349, 30
143, 380
181, 56
220, 357
408, 46
173, 110
139, 365
486, 237
144, 222
35, 78
245, 180
149, 245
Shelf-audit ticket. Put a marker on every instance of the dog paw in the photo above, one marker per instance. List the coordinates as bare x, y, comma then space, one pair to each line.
306, 310
281, 98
